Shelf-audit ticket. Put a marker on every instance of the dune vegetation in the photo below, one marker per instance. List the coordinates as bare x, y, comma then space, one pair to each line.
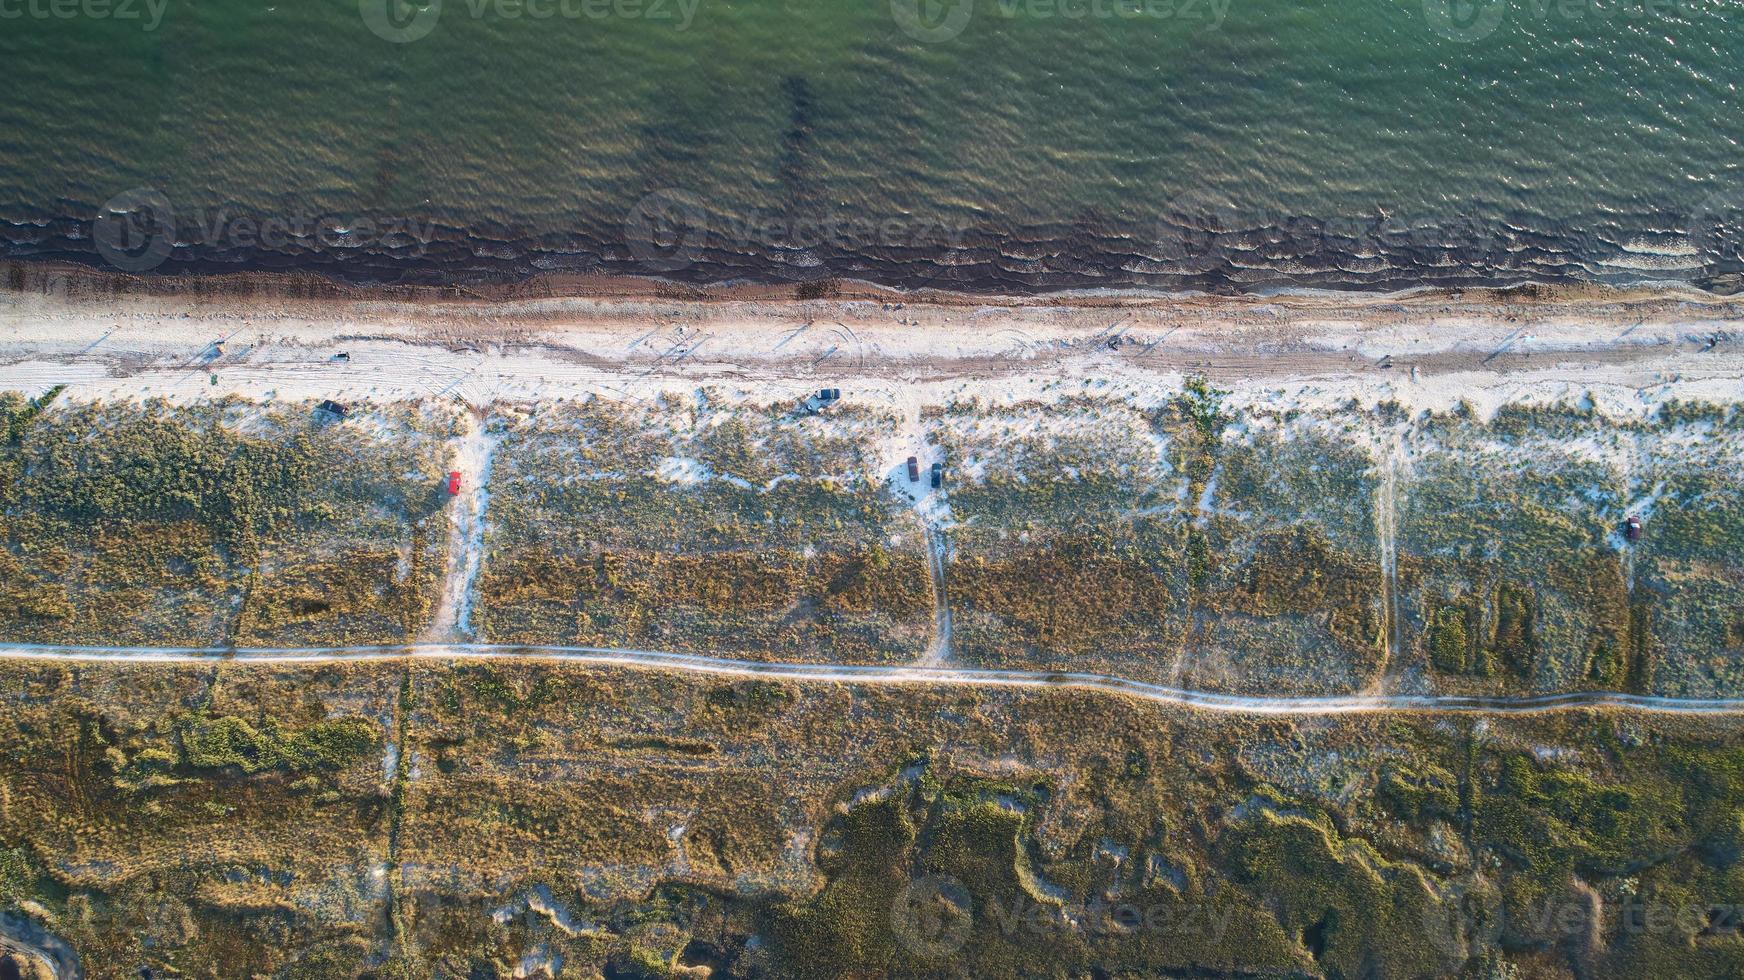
432, 820
693, 525
221, 523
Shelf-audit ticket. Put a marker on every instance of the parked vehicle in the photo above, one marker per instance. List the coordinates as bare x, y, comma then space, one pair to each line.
938, 475
819, 400
913, 470
1632, 528
453, 483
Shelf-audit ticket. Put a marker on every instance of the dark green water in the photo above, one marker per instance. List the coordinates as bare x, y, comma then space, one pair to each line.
1247, 144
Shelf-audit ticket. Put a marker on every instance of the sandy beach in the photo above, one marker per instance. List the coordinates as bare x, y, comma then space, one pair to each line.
1629, 350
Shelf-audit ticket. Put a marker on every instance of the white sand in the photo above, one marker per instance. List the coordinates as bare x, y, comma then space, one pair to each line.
1307, 352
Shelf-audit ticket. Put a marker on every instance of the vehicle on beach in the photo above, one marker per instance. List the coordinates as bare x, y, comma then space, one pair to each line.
820, 400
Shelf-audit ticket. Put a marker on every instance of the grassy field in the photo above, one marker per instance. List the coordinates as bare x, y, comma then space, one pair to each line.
459, 821
224, 522
1688, 574
696, 526
1183, 542
221, 823
1192, 539
1067, 548
1337, 548
1515, 573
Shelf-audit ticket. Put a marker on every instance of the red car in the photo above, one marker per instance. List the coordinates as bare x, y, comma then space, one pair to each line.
453, 482
913, 470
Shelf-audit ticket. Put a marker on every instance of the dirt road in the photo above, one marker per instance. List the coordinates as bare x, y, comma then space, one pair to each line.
467, 509
938, 652
861, 674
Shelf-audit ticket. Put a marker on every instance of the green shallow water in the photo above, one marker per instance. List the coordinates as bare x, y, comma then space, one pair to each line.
1256, 141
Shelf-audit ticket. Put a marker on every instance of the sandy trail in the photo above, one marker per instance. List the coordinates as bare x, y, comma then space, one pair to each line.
938, 652
472, 458
865, 674
1387, 533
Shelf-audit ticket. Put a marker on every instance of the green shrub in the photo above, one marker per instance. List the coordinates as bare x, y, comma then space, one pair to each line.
230, 743
1449, 647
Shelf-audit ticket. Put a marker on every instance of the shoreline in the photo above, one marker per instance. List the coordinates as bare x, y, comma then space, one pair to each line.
77, 279
1188, 246
1625, 350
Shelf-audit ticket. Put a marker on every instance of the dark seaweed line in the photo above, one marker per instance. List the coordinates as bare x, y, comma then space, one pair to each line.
1295, 253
